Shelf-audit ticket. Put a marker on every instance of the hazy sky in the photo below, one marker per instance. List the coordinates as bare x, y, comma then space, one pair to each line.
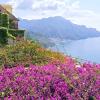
83, 12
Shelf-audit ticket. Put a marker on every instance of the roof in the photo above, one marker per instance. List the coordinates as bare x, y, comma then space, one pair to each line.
7, 7
9, 13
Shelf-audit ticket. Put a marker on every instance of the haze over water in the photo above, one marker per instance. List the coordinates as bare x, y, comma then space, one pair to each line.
87, 49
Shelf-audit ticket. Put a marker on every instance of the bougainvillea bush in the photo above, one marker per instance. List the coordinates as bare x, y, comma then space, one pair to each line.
54, 81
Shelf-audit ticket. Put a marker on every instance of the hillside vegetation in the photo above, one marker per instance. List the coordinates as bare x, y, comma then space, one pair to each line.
26, 52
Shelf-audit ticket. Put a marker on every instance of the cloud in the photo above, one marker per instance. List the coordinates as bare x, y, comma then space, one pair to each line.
69, 9
15, 3
83, 16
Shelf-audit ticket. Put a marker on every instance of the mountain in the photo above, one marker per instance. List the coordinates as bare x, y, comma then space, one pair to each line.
57, 28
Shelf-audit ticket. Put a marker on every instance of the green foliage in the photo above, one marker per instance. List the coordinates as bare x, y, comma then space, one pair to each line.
5, 20
26, 52
0, 19
16, 32
5, 31
11, 23
3, 36
4, 26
